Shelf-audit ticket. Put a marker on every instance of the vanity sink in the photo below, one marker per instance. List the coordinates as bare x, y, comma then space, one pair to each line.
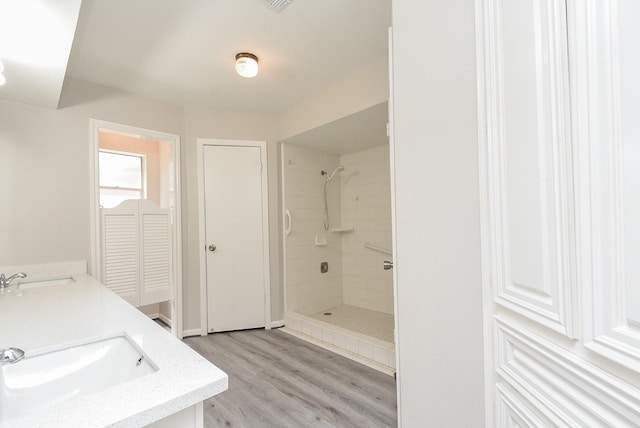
45, 283
40, 381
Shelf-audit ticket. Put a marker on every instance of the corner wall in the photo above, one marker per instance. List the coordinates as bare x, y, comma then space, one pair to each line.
366, 205
365, 88
439, 284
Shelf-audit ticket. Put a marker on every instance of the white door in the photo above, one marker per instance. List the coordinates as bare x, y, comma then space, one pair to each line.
559, 102
234, 237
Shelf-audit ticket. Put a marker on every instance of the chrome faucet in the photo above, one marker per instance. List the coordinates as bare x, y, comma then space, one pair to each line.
5, 282
11, 355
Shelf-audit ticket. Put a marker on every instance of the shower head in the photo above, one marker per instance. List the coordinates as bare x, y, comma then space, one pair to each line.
335, 171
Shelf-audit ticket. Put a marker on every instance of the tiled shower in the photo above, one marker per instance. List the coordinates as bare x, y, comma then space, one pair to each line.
350, 307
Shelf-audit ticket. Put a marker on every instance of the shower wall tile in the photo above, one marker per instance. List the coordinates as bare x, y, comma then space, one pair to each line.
375, 353
381, 355
360, 197
352, 344
340, 340
307, 290
327, 335
316, 332
366, 204
365, 349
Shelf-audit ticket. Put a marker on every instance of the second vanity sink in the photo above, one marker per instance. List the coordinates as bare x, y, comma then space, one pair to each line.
43, 380
45, 283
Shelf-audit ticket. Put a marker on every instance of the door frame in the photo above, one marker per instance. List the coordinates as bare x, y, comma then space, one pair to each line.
262, 145
95, 126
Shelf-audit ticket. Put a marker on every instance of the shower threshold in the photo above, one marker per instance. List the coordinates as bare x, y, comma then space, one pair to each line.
360, 334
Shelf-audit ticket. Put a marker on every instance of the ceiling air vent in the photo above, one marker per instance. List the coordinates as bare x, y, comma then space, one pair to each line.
278, 5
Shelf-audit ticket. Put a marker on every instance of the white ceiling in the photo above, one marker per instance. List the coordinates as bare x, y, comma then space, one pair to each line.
359, 131
183, 51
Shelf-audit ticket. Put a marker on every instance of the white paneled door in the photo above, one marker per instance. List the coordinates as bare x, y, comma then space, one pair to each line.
235, 223
559, 104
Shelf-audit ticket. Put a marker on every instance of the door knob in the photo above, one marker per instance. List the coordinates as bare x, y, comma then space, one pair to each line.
212, 247
387, 265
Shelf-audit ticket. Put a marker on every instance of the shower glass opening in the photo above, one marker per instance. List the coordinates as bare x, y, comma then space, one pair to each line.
341, 216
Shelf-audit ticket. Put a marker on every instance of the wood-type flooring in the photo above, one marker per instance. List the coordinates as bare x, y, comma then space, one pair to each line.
277, 380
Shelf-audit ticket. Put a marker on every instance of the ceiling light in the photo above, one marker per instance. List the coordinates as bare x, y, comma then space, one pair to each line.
246, 64
278, 5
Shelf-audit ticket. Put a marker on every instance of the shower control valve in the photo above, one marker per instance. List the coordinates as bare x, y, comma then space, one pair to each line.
324, 267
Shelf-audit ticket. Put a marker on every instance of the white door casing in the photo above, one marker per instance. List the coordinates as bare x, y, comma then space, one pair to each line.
559, 84
234, 220
95, 127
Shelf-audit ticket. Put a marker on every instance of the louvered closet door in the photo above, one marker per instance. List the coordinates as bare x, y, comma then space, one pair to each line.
559, 86
155, 260
120, 251
137, 252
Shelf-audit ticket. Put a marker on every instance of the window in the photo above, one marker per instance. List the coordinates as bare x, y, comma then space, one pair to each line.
121, 177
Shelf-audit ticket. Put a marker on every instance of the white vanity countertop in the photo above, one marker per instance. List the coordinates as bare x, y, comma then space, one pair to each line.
54, 317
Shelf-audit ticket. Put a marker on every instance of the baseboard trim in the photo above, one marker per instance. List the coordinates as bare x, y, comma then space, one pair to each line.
164, 319
277, 324
192, 332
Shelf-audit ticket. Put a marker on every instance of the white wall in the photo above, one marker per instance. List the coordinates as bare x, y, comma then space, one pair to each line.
308, 290
366, 205
439, 289
44, 169
365, 88
44, 166
218, 124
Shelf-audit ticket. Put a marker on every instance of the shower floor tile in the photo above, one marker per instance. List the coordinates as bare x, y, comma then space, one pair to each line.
363, 321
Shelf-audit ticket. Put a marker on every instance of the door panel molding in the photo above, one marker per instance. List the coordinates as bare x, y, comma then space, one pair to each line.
597, 116
512, 409
528, 228
567, 388
563, 331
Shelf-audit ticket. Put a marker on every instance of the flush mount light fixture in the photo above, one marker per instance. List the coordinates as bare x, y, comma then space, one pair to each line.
246, 64
278, 5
